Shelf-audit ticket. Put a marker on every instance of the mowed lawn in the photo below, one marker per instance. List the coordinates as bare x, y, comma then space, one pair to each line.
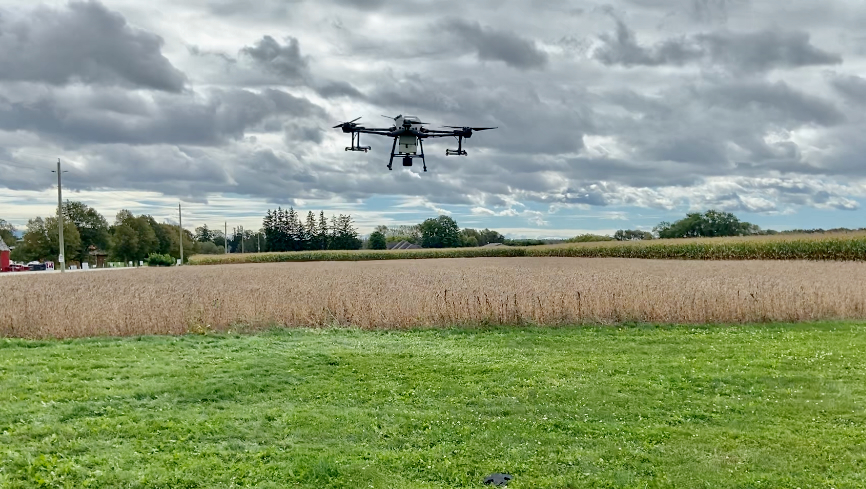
718, 407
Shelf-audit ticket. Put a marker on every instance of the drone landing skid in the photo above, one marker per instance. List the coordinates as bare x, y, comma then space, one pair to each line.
459, 151
356, 144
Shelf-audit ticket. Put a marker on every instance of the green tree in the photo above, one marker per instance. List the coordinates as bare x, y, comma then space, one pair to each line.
344, 236
92, 228
470, 238
312, 232
323, 235
219, 239
490, 236
378, 241
203, 234
162, 242
710, 224
172, 234
441, 232
41, 241
588, 238
124, 243
402, 232
34, 244
7, 233
208, 248
135, 238
631, 235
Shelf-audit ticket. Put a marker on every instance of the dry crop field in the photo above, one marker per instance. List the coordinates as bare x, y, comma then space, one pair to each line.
442, 292
836, 246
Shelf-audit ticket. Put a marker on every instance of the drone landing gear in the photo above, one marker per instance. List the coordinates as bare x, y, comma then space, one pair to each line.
357, 146
423, 161
459, 151
391, 161
407, 158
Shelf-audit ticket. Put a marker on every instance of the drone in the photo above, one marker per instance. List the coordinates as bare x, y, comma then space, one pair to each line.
409, 132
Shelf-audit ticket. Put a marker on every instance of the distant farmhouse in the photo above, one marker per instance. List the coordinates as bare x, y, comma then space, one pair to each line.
403, 245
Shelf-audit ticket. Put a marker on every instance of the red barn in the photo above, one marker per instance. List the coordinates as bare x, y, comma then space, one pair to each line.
4, 256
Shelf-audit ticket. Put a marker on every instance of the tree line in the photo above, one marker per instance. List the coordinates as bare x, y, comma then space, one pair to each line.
439, 232
85, 230
141, 238
287, 230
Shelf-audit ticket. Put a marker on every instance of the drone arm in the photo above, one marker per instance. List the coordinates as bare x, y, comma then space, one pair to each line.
381, 132
439, 134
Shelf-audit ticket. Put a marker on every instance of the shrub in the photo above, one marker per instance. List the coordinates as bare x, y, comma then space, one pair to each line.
157, 260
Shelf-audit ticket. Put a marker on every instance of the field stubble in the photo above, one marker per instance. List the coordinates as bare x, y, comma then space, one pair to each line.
446, 292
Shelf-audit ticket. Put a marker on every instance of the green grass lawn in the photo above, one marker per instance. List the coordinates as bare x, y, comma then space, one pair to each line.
718, 407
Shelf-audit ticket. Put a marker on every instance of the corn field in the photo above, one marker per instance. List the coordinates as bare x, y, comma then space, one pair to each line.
409, 293
836, 247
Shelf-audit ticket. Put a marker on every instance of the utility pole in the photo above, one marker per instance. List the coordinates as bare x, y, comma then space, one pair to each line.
243, 235
61, 258
226, 236
258, 243
180, 228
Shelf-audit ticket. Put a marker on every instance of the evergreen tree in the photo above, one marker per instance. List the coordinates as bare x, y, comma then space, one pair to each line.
293, 233
203, 234
345, 234
268, 231
312, 232
282, 241
332, 235
323, 241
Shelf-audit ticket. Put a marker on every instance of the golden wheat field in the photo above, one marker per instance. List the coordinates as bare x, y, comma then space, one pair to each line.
408, 293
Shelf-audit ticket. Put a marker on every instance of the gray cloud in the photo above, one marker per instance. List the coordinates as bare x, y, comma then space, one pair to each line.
852, 87
107, 118
743, 52
775, 101
284, 60
268, 62
83, 42
497, 45
575, 131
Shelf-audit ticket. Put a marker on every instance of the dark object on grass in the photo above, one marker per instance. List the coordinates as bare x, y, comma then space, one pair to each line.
498, 479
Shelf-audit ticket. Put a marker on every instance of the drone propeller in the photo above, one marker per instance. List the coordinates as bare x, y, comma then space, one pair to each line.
472, 128
343, 124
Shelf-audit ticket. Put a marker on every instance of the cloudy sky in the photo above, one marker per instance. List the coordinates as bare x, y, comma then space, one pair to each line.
611, 115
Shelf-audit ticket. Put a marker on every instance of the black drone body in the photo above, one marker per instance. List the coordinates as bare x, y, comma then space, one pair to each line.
409, 134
